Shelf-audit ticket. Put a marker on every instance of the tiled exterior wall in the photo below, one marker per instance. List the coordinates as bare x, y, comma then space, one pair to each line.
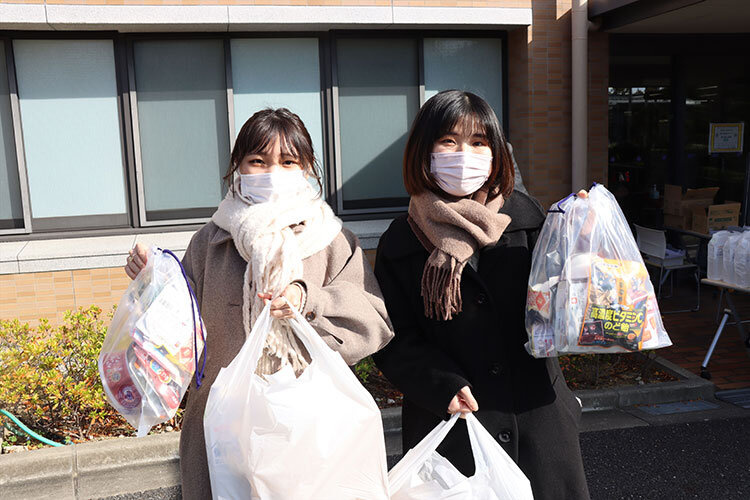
598, 106
31, 296
539, 87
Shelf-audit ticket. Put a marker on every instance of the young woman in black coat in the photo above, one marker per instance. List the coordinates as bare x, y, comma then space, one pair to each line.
454, 273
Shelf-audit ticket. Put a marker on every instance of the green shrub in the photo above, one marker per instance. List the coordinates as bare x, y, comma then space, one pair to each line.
364, 368
49, 377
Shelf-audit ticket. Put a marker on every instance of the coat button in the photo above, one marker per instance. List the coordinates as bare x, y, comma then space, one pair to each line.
504, 436
310, 316
481, 299
495, 369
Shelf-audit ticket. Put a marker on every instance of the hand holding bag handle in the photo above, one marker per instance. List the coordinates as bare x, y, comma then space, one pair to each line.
252, 350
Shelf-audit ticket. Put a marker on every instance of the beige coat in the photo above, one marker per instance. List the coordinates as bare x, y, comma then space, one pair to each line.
344, 305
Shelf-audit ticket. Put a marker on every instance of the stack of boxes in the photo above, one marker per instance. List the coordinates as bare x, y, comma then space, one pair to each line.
694, 210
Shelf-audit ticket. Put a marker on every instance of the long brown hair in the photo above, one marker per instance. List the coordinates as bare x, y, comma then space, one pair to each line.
260, 130
438, 117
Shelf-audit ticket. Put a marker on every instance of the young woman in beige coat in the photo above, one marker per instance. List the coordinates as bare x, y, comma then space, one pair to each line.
272, 238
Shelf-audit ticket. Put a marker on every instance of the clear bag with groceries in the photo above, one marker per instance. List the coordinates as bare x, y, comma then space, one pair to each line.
589, 291
149, 353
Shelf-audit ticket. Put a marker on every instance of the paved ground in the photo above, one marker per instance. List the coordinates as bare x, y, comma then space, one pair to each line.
630, 454
160, 494
691, 334
702, 460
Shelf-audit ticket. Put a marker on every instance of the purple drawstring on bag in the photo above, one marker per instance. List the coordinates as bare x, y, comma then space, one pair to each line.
559, 208
193, 307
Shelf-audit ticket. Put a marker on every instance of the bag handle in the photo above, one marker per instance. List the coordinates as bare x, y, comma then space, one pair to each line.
312, 341
476, 430
488, 454
559, 209
315, 345
253, 346
415, 457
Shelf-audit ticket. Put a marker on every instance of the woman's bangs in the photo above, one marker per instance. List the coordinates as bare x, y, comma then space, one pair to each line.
467, 124
290, 144
258, 144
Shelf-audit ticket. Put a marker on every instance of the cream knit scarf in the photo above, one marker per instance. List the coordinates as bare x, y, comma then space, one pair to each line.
274, 238
452, 231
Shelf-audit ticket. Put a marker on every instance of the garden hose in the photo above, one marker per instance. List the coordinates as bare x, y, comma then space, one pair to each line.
29, 431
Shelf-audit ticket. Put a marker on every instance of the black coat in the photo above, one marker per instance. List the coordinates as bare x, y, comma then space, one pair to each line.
524, 402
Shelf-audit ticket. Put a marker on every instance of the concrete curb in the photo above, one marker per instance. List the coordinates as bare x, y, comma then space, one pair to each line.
92, 470
391, 419
131, 465
690, 386
109, 468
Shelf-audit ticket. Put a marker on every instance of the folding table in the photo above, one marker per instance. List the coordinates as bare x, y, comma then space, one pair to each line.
726, 291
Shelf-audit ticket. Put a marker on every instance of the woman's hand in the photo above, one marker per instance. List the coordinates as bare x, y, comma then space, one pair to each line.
582, 194
279, 307
463, 402
137, 258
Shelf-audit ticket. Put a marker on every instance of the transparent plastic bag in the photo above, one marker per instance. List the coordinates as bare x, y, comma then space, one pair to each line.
423, 474
589, 290
149, 353
318, 436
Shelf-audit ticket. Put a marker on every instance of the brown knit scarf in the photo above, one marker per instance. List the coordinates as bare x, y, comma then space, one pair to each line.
452, 231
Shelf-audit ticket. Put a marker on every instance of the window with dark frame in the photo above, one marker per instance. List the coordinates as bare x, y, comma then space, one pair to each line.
183, 98
73, 147
11, 206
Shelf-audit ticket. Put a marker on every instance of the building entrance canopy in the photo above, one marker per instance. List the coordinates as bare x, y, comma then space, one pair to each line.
671, 16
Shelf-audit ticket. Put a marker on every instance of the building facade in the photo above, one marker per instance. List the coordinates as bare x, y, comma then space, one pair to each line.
678, 70
118, 116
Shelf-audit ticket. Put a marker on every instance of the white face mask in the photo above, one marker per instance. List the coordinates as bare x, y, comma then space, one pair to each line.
274, 186
462, 173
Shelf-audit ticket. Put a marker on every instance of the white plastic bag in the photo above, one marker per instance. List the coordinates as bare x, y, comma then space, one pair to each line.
742, 261
589, 290
423, 474
729, 247
148, 356
716, 255
317, 437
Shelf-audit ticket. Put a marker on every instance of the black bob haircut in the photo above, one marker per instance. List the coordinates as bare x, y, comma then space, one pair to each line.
439, 116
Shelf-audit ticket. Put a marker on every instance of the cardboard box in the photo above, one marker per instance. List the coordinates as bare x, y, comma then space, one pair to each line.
715, 217
676, 203
672, 199
678, 221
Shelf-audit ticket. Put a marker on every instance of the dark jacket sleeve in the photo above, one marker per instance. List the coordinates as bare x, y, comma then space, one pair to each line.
423, 372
